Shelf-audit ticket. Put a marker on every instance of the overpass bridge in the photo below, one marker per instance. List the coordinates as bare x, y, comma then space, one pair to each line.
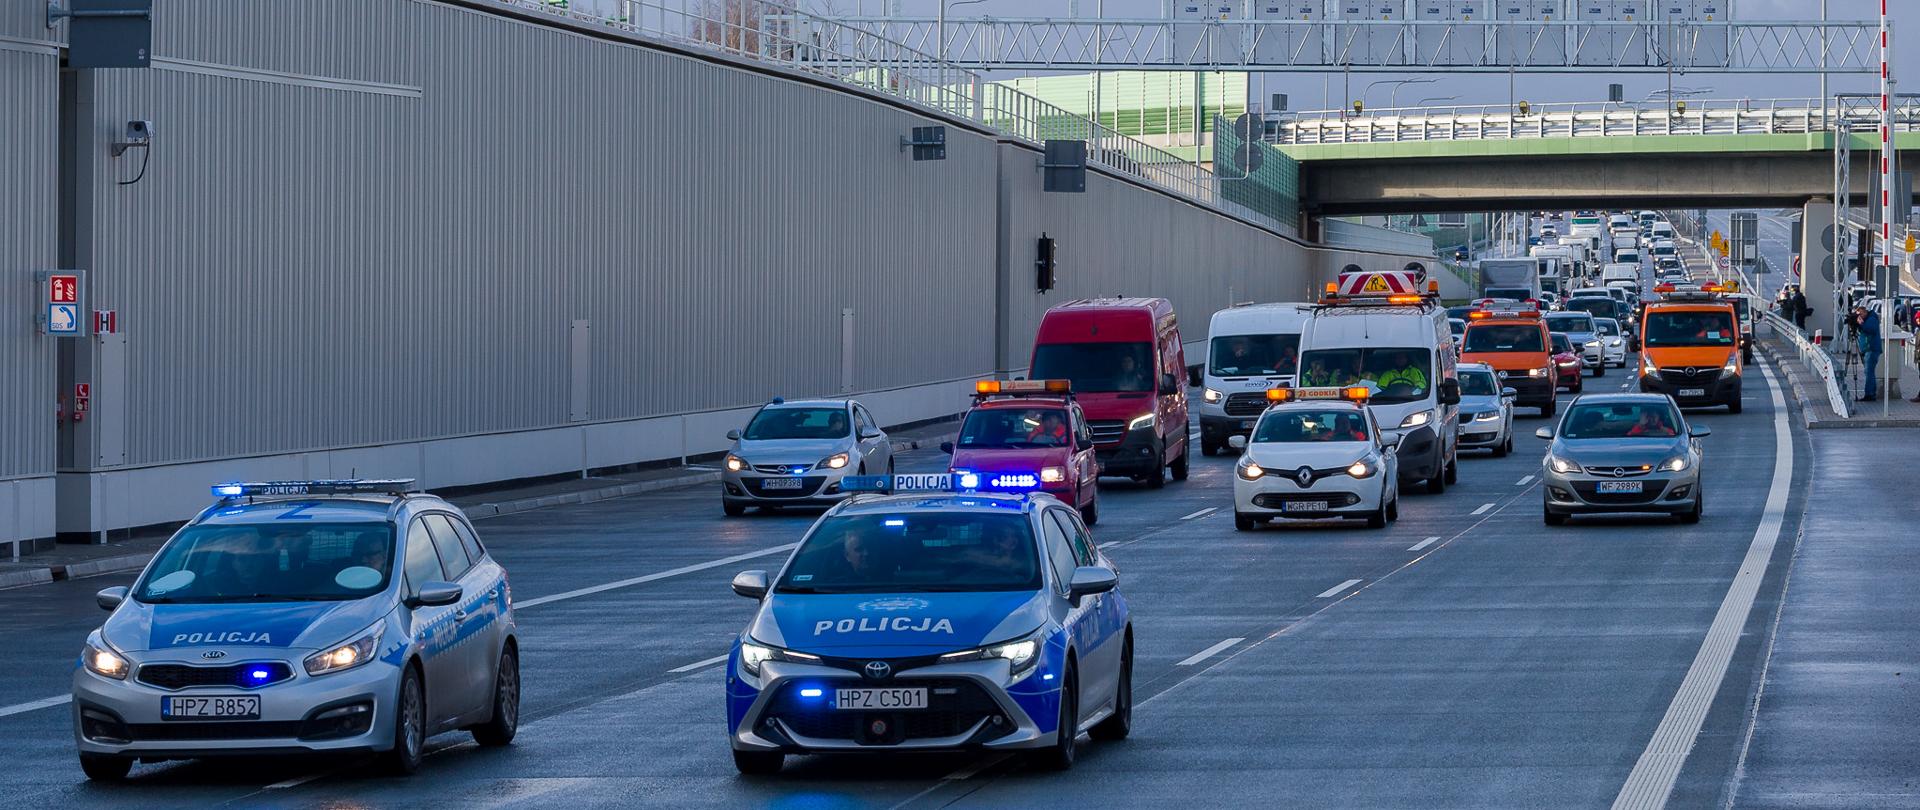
1596, 155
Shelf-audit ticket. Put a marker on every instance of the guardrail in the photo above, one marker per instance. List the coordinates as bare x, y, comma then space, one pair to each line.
1816, 358
1574, 120
783, 37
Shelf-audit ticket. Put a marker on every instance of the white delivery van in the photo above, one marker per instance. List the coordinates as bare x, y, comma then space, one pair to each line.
1620, 271
1402, 347
1250, 349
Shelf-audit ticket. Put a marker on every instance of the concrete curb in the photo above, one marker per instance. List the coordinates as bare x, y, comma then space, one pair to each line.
1809, 412
22, 577
690, 479
104, 565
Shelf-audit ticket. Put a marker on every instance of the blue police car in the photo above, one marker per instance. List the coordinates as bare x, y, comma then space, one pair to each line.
312, 616
939, 615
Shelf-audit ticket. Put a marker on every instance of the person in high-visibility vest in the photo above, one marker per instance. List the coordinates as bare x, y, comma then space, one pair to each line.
1403, 373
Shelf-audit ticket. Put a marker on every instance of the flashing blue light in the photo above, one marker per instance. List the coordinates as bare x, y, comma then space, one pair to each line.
810, 692
259, 675
1014, 481
228, 490
969, 480
894, 522
1047, 677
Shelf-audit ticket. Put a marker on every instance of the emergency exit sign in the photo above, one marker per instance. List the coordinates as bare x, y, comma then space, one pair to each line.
58, 306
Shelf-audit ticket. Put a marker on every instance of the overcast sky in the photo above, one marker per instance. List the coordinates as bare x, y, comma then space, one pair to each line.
1308, 89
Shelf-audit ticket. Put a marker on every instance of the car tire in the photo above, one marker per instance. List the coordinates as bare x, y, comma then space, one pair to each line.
1243, 522
1453, 468
889, 466
1119, 724
1699, 508
1546, 411
1179, 467
1066, 745
1437, 484
409, 726
1734, 406
1504, 447
1378, 520
106, 767
505, 722
1209, 448
1553, 518
758, 763
1090, 514
1601, 369
1157, 478
733, 509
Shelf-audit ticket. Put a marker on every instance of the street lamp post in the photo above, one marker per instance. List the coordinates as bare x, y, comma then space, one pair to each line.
1396, 84
940, 35
1394, 94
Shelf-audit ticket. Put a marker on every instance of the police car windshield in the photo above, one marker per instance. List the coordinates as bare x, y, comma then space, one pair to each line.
1570, 322
1096, 366
271, 563
1290, 426
1683, 328
1403, 374
916, 552
1622, 420
1478, 384
1011, 428
798, 423
1253, 355
1498, 337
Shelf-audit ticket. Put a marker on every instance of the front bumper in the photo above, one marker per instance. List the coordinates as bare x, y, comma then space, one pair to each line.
1475, 435
1277, 494
1721, 389
305, 714
981, 710
1137, 453
1420, 453
1670, 493
817, 487
1216, 428
1531, 392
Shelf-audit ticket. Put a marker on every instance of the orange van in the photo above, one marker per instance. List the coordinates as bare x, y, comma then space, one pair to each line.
1515, 343
1690, 348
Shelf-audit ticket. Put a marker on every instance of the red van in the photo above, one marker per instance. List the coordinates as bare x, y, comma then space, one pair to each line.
1126, 364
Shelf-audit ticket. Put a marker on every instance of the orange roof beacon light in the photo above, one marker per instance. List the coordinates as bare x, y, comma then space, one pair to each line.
1358, 393
1278, 395
983, 388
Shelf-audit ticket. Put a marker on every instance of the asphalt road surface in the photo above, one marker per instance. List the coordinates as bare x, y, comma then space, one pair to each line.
1465, 657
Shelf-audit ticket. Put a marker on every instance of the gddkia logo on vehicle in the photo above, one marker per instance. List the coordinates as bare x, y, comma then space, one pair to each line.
894, 604
883, 624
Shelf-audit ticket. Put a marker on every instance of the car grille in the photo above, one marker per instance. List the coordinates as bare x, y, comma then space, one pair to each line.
1107, 431
782, 469
1589, 492
1246, 403
183, 676
214, 730
1703, 375
1335, 500
1622, 471
808, 484
954, 706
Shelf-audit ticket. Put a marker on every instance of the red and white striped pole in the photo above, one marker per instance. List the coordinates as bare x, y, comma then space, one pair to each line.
1889, 371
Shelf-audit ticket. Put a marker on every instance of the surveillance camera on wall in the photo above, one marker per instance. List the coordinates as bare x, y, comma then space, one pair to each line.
139, 132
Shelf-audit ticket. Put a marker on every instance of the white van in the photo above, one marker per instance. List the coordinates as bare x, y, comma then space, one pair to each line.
1662, 229
1620, 271
1359, 340
1627, 256
1250, 349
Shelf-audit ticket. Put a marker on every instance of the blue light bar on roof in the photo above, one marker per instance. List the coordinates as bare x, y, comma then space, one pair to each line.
257, 489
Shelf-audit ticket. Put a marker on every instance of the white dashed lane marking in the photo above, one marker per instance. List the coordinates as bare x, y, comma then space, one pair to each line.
1424, 543
1335, 590
1210, 652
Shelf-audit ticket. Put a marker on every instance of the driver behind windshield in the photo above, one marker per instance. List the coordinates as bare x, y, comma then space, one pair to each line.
1403, 373
1051, 430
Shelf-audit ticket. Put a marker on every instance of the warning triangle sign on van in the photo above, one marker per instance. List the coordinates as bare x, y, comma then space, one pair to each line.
1377, 284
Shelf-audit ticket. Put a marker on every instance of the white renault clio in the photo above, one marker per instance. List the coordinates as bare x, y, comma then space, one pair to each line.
1317, 454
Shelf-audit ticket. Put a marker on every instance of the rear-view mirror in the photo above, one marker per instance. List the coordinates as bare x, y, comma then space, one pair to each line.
733, 435
1169, 384
1544, 433
946, 447
1508, 393
110, 598
1237, 442
1089, 580
1699, 431
750, 584
436, 594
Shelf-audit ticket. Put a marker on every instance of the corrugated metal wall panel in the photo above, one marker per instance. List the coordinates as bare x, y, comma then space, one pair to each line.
29, 172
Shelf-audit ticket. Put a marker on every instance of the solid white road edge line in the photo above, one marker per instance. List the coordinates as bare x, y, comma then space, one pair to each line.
43, 703
1209, 652
653, 577
1335, 590
1424, 543
1651, 782
699, 664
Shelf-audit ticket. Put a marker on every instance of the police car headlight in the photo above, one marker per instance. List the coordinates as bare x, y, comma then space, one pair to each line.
104, 662
1416, 419
834, 462
1213, 396
735, 463
1052, 475
1675, 464
753, 654
1021, 655
1249, 470
1141, 422
349, 655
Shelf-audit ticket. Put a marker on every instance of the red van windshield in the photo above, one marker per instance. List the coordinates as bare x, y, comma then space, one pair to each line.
1096, 367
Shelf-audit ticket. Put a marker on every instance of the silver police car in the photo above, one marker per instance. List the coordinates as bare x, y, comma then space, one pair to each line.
1623, 453
795, 453
302, 617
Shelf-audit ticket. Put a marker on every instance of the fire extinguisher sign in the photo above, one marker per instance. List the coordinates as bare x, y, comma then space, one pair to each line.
60, 303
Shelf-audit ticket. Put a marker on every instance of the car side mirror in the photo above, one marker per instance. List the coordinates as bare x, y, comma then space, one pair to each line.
110, 598
1390, 441
1449, 392
1082, 443
750, 584
1508, 393
871, 434
1089, 580
1544, 433
1237, 442
1193, 376
1699, 431
733, 435
436, 594
946, 447
1169, 384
